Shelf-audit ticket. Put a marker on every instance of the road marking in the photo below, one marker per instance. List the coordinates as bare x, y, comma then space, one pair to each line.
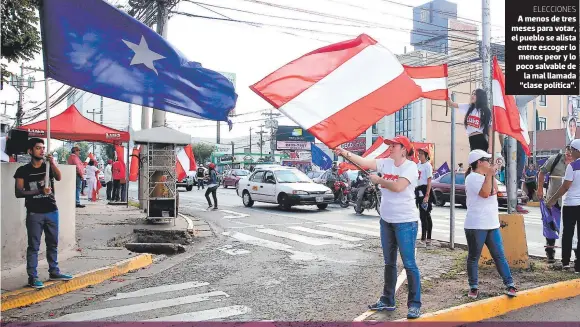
140, 307
157, 290
375, 226
258, 241
234, 215
351, 230
229, 249
219, 313
325, 233
299, 238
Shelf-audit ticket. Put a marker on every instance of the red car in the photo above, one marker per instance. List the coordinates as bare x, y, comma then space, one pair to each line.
231, 177
441, 189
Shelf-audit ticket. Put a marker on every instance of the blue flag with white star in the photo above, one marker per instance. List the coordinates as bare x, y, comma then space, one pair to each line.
96, 47
320, 158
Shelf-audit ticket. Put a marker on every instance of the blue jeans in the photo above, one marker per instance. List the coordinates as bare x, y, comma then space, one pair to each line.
476, 238
36, 223
78, 190
401, 236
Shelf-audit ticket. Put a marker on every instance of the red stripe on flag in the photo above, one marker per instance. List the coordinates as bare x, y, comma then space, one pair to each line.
189, 152
134, 167
374, 146
426, 71
437, 94
181, 174
297, 76
361, 114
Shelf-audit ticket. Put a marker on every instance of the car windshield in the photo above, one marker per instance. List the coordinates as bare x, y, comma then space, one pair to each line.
241, 172
291, 176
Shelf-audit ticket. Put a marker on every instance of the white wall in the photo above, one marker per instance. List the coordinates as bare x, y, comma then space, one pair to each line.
13, 216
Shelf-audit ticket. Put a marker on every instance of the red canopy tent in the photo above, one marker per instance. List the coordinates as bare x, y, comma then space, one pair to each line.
71, 125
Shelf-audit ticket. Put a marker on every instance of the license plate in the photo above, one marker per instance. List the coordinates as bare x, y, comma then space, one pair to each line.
319, 199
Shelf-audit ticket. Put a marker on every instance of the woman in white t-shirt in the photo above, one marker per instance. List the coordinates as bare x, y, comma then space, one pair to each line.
92, 173
423, 196
571, 206
482, 221
477, 120
398, 223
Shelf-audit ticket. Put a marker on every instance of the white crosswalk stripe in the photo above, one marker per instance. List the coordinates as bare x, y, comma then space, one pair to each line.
147, 307
325, 233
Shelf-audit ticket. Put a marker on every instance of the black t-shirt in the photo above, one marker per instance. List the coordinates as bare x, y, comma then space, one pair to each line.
200, 172
34, 180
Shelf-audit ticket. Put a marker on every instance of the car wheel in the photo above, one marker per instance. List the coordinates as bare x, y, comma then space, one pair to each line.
439, 199
283, 201
189, 188
247, 199
343, 200
322, 206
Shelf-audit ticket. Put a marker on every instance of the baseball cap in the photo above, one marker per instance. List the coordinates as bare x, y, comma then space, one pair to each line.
477, 155
425, 149
402, 140
575, 144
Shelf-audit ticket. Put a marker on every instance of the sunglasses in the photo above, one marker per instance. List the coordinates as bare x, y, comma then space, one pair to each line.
485, 159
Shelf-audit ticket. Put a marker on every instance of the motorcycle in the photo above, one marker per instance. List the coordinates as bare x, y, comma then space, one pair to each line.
341, 194
371, 199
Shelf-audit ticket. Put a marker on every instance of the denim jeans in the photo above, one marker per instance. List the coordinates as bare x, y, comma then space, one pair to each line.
36, 223
401, 236
476, 238
78, 190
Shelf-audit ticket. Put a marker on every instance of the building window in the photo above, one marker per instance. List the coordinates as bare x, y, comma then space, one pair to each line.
403, 121
375, 129
425, 15
542, 100
542, 124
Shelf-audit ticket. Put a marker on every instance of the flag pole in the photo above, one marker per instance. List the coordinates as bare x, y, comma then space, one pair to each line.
47, 94
452, 197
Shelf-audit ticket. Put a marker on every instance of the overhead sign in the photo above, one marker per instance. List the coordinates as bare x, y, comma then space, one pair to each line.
223, 148
292, 145
294, 134
356, 145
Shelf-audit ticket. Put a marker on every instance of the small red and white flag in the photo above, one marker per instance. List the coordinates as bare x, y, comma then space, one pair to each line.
337, 92
185, 162
506, 116
431, 79
378, 150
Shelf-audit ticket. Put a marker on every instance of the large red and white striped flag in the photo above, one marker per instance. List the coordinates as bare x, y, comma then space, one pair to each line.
431, 79
378, 150
185, 162
506, 116
337, 92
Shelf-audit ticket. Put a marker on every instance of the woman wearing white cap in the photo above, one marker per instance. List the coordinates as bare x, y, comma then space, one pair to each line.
398, 223
571, 206
482, 221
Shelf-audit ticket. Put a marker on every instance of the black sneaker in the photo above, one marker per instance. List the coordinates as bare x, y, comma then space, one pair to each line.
380, 306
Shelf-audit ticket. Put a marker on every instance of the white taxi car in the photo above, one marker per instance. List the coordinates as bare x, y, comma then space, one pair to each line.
286, 186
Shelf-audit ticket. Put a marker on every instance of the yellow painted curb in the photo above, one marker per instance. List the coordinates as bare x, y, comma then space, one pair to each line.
27, 296
533, 204
500, 305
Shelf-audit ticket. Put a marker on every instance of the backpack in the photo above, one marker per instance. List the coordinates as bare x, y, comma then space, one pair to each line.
558, 158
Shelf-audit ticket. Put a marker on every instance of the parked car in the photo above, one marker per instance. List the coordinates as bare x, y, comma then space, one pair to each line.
231, 177
286, 186
441, 188
188, 182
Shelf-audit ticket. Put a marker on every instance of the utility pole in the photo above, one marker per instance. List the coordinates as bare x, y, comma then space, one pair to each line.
162, 17
233, 152
95, 111
18, 83
251, 140
272, 124
217, 140
261, 144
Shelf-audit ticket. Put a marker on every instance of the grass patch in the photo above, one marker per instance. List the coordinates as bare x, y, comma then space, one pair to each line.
133, 203
458, 266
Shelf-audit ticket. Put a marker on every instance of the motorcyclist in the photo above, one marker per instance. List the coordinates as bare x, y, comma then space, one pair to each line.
360, 184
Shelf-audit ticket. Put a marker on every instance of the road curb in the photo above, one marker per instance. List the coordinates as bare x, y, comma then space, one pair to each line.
27, 296
500, 305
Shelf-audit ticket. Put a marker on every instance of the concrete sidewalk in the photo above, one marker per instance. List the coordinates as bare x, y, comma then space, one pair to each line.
101, 231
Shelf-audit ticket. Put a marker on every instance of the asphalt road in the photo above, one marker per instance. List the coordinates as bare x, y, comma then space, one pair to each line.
557, 311
264, 264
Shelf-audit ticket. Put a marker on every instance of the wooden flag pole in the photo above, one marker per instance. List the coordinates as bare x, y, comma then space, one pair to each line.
47, 93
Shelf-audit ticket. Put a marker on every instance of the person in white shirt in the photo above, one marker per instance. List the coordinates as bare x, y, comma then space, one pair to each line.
109, 179
482, 221
477, 120
398, 223
92, 172
423, 195
460, 168
571, 206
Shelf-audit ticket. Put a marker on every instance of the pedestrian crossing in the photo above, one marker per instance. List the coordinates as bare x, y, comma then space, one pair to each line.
348, 234
160, 303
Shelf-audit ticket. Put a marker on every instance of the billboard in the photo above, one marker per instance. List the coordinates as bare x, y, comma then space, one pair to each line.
223, 149
292, 145
358, 145
294, 134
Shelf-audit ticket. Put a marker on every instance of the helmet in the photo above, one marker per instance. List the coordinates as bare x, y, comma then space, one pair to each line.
211, 166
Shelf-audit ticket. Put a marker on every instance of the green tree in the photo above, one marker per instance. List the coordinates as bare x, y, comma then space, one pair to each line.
202, 152
108, 152
20, 35
63, 152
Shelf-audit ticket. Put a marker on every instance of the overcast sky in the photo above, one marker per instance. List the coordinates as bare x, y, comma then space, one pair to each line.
253, 52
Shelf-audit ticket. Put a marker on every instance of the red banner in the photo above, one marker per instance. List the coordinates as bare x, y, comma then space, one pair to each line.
134, 167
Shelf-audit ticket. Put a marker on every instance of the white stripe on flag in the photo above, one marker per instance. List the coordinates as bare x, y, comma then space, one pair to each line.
378, 151
372, 68
431, 84
183, 159
497, 94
